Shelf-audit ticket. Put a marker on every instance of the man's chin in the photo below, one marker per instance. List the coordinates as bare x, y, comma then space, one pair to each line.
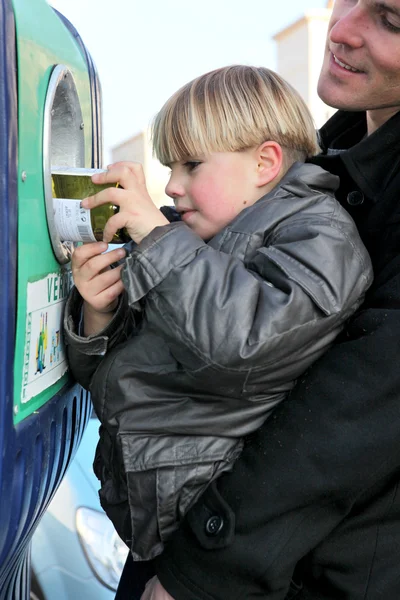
335, 98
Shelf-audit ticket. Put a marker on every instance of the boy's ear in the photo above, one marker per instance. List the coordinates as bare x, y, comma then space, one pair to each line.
269, 162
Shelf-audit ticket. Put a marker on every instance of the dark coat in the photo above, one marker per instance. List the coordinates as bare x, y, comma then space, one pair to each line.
318, 485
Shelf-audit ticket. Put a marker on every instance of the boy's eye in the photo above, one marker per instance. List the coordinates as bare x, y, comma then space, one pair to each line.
191, 164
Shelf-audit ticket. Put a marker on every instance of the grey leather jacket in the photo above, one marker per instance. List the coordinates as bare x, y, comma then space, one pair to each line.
207, 339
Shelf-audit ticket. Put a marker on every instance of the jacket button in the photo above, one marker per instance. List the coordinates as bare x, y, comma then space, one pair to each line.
355, 198
214, 525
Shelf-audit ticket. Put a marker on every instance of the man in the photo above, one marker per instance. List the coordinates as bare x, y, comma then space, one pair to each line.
312, 507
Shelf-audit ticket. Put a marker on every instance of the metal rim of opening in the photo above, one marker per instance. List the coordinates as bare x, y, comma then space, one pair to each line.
61, 76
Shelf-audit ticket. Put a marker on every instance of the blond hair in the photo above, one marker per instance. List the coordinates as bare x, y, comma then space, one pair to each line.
232, 109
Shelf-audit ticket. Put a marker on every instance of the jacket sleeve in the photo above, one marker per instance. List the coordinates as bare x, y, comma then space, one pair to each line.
86, 353
300, 475
279, 310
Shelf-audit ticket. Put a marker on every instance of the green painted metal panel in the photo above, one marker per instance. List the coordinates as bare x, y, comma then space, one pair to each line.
42, 43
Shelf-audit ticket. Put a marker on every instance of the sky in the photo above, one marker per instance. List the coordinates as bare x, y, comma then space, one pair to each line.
145, 50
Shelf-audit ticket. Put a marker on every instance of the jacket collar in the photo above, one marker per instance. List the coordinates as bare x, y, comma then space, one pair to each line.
301, 176
371, 161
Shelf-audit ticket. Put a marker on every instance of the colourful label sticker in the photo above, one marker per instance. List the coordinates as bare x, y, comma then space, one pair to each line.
44, 353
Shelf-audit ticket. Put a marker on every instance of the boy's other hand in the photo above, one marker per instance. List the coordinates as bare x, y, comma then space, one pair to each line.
98, 284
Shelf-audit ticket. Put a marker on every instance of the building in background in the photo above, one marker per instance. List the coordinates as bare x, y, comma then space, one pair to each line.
300, 51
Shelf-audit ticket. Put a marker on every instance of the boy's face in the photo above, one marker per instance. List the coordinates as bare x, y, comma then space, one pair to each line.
210, 191
361, 68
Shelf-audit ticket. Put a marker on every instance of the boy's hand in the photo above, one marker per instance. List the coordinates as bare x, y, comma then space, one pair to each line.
155, 591
98, 284
137, 211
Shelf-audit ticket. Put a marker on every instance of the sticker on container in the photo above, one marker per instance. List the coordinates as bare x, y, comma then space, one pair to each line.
72, 221
44, 353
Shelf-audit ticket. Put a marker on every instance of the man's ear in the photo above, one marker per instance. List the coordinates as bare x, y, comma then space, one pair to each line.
269, 162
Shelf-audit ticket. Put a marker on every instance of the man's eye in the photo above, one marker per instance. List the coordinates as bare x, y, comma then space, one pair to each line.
191, 164
389, 25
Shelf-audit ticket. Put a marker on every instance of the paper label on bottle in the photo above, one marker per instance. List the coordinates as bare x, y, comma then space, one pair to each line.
72, 221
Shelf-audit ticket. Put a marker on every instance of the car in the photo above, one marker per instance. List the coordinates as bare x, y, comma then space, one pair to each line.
75, 550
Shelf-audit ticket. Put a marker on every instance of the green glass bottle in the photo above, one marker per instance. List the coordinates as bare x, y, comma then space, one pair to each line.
74, 223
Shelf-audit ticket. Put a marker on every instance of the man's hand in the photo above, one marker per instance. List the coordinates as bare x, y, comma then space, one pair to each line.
155, 591
98, 284
137, 212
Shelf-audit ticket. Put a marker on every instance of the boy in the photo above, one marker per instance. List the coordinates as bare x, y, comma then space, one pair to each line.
191, 342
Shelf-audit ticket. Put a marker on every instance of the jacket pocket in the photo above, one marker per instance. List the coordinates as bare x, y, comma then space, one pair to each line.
165, 475
313, 284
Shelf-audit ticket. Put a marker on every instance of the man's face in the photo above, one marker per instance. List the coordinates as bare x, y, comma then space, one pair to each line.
361, 68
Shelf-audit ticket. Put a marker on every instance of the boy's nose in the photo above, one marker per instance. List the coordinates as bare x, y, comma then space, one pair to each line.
348, 25
174, 189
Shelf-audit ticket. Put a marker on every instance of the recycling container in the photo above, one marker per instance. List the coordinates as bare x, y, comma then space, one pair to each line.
50, 113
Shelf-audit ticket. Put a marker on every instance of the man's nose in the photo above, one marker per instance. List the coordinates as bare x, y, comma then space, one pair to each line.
349, 26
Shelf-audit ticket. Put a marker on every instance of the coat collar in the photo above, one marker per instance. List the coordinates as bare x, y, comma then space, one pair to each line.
371, 161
